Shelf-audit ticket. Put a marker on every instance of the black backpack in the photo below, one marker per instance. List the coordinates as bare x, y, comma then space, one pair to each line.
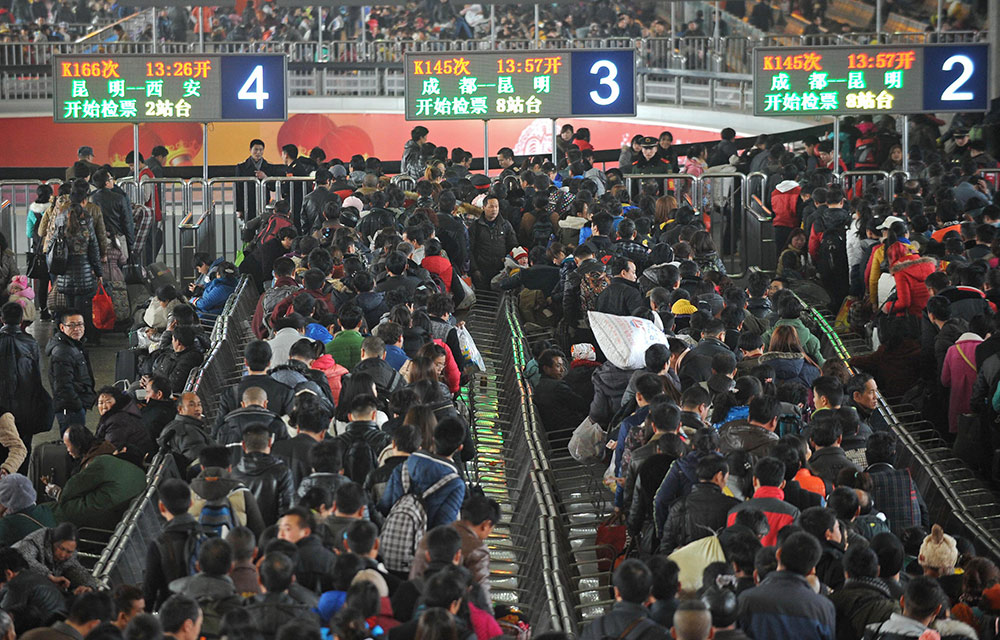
541, 232
360, 456
831, 261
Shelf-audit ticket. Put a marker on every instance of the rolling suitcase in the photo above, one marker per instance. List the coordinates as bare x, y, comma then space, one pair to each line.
127, 364
49, 460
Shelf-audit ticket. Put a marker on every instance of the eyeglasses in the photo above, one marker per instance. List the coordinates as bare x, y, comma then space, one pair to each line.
74, 325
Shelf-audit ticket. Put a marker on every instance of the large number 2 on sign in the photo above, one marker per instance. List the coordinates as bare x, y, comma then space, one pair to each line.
256, 81
609, 80
968, 68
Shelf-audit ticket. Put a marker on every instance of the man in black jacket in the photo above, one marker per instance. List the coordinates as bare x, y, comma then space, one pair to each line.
211, 586
115, 208
252, 410
186, 435
176, 365
257, 357
373, 363
311, 422
697, 364
166, 558
363, 441
158, 409
491, 237
559, 407
313, 562
257, 167
629, 617
267, 476
70, 375
21, 389
22, 587
703, 512
621, 297
452, 232
314, 203
271, 610
756, 434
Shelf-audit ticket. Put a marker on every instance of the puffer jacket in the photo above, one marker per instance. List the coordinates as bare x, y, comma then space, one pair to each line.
784, 200
424, 469
333, 372
185, 437
740, 435
36, 548
861, 602
176, 366
100, 493
413, 164
215, 295
790, 367
912, 294
489, 243
123, 428
312, 209
84, 265
329, 481
32, 589
270, 480
70, 375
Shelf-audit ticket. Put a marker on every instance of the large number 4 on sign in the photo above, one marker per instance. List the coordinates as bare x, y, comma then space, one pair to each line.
253, 88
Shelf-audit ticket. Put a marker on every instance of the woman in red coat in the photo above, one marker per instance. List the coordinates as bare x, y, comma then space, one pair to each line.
909, 270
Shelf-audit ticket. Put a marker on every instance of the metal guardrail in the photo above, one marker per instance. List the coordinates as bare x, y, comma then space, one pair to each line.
123, 560
955, 497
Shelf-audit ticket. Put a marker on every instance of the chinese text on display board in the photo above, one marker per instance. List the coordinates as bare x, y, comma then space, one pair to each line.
792, 81
169, 88
519, 84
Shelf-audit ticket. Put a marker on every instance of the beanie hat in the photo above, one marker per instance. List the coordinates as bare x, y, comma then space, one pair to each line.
939, 550
16, 492
338, 171
517, 253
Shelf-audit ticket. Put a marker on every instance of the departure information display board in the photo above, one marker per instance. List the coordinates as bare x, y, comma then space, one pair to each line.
487, 85
901, 79
169, 88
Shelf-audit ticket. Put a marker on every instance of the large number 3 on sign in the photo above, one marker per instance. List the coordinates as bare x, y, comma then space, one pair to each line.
609, 80
968, 68
253, 88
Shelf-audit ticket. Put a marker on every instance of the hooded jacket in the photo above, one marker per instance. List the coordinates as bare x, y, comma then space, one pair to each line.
424, 469
214, 485
810, 343
790, 367
740, 435
333, 372
701, 514
912, 294
784, 200
779, 514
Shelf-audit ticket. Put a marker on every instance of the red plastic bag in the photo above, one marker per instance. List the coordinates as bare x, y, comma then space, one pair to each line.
610, 540
104, 310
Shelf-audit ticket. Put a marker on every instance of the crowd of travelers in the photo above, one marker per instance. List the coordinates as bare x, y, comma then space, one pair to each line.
328, 488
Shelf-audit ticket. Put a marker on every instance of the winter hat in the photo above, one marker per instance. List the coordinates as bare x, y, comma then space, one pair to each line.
939, 550
16, 492
353, 201
517, 253
338, 171
583, 351
374, 577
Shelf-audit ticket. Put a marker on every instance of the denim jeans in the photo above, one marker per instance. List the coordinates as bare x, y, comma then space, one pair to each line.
66, 418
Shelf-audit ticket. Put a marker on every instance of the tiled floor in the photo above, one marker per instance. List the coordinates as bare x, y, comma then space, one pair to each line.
102, 359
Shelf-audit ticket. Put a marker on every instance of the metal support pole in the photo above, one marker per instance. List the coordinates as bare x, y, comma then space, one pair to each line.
537, 28
486, 148
836, 147
201, 29
155, 20
204, 150
878, 21
673, 28
555, 143
940, 15
319, 32
493, 26
994, 22
905, 143
716, 34
135, 152
364, 36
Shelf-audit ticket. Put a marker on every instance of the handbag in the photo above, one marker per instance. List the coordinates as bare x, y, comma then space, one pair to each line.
134, 273
104, 310
610, 540
37, 267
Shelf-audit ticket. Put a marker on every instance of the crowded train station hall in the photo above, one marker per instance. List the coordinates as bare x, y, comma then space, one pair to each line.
574, 320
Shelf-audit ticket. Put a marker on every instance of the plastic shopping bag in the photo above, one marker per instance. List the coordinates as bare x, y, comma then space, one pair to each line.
104, 310
469, 349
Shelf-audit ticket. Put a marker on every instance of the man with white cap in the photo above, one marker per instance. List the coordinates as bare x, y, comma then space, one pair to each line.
20, 514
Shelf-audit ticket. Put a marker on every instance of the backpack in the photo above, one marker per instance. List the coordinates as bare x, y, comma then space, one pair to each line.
406, 523
58, 256
360, 457
272, 297
213, 609
217, 518
831, 261
186, 564
541, 232
268, 231
591, 286
866, 153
